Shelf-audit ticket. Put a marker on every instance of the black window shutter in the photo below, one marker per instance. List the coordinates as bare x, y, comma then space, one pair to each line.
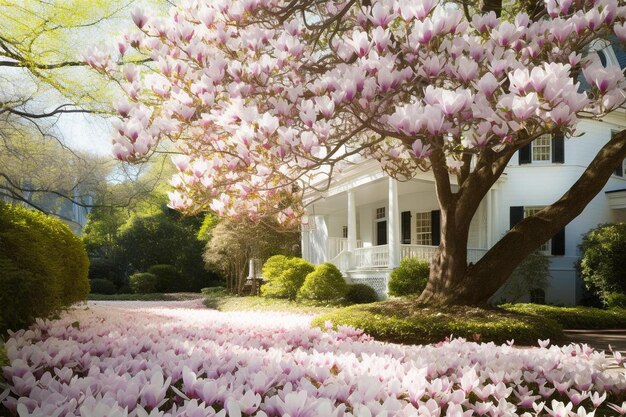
524, 155
435, 227
619, 171
516, 215
405, 226
558, 148
558, 243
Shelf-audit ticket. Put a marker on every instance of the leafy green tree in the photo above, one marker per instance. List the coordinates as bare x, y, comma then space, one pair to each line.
44, 82
603, 263
233, 243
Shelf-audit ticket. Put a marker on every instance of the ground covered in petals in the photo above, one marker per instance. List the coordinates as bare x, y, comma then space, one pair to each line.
180, 359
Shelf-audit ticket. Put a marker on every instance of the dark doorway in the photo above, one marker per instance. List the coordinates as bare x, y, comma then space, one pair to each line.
381, 233
406, 227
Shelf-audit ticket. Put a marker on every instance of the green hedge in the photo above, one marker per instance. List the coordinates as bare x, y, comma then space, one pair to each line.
169, 279
284, 276
143, 283
407, 323
43, 266
603, 264
360, 294
102, 286
409, 278
4, 360
324, 284
574, 317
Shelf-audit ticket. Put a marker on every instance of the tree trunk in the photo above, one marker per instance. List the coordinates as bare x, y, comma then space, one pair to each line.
453, 282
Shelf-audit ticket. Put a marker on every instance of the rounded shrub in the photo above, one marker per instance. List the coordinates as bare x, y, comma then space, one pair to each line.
169, 279
284, 276
409, 278
325, 283
102, 286
143, 282
603, 264
43, 266
360, 294
615, 300
103, 268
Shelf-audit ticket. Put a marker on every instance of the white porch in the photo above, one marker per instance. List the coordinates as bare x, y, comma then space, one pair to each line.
366, 225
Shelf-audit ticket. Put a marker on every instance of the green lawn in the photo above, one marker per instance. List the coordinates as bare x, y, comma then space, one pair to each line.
574, 317
145, 297
400, 320
223, 302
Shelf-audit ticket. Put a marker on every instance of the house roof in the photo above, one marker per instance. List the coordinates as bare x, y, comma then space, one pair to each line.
620, 55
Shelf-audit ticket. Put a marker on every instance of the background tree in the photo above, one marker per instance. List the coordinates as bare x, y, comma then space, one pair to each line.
43, 82
603, 264
140, 231
266, 98
231, 244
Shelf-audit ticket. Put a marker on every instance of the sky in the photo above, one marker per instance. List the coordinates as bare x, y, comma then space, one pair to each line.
86, 132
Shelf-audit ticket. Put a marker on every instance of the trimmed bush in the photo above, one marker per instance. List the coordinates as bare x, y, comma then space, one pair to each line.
324, 284
169, 279
574, 317
103, 268
409, 278
284, 276
4, 360
407, 323
43, 266
603, 264
143, 282
360, 294
102, 286
616, 300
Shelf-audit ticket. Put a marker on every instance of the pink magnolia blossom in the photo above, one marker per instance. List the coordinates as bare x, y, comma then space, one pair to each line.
248, 89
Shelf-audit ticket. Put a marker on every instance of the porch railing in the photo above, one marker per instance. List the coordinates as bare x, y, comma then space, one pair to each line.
336, 245
378, 256
424, 252
372, 257
341, 261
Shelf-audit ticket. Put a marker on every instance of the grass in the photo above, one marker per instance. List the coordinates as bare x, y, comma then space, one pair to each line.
574, 317
145, 297
223, 302
401, 321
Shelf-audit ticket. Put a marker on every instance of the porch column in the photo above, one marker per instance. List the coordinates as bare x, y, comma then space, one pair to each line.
489, 218
351, 221
393, 225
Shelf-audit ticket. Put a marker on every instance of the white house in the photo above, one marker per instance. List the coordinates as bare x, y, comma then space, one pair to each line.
365, 222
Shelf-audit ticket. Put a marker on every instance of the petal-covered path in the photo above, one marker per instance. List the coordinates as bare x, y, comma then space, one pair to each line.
180, 359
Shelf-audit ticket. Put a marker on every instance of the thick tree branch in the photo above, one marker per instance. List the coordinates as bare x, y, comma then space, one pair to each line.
534, 230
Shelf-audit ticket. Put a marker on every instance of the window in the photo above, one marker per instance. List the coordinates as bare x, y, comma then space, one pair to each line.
541, 148
603, 60
529, 211
380, 213
423, 227
344, 232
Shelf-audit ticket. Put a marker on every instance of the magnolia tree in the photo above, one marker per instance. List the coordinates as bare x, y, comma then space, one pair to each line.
264, 98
